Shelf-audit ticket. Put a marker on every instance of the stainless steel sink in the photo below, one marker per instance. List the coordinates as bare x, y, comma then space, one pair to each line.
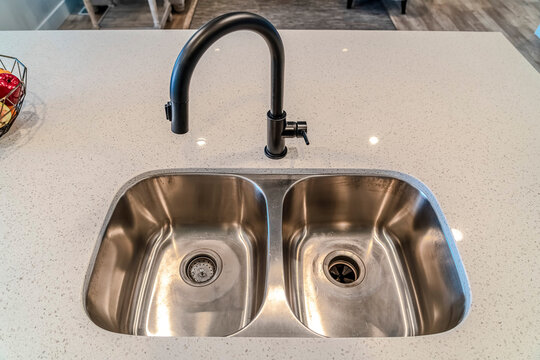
361, 254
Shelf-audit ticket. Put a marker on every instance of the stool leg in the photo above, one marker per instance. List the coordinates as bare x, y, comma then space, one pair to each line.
349, 4
91, 13
403, 6
154, 12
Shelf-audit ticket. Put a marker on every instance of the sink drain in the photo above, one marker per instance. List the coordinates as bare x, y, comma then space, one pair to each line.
343, 271
343, 268
200, 267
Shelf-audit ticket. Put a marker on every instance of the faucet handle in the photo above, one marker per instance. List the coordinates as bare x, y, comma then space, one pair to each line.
304, 135
301, 130
296, 129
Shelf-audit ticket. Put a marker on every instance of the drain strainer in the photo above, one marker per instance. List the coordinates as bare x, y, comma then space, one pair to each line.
200, 267
344, 268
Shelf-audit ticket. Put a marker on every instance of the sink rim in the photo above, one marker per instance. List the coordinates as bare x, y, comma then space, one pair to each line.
252, 175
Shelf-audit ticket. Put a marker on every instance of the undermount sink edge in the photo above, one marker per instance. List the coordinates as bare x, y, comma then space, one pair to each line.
274, 304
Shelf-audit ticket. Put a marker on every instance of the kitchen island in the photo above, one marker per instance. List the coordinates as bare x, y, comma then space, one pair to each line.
458, 111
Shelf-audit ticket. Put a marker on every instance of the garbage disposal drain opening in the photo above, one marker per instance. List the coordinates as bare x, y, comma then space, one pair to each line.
344, 268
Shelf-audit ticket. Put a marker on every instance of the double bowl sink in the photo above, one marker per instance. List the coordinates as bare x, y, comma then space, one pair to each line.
361, 254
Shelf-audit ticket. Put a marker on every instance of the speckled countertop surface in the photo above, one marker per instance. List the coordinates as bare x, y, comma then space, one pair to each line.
458, 111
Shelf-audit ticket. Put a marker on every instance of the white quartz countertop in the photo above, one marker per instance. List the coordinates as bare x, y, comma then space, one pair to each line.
458, 111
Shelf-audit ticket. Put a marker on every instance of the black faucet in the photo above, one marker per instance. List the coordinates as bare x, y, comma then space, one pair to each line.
176, 110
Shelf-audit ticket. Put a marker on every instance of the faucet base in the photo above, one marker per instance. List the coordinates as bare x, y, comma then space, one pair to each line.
274, 156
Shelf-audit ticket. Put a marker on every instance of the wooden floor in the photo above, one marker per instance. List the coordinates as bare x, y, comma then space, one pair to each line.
516, 19
302, 14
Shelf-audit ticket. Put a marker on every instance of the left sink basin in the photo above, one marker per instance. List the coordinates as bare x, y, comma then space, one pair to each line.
181, 255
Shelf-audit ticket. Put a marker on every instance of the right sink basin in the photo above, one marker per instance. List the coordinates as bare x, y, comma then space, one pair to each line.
368, 256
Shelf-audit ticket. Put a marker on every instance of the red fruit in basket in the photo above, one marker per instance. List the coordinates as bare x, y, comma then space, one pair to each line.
8, 82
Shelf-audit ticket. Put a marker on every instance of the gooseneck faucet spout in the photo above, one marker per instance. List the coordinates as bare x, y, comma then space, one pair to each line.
177, 110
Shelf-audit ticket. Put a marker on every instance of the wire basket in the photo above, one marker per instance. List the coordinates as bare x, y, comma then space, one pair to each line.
11, 103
